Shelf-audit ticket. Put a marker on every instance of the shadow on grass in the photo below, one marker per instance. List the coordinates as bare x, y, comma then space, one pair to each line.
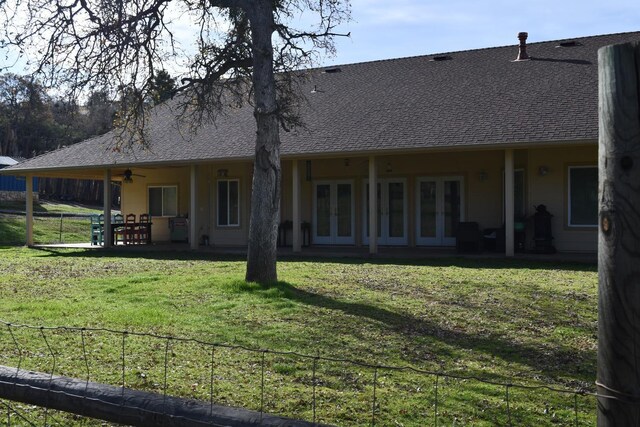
548, 359
427, 261
544, 359
12, 230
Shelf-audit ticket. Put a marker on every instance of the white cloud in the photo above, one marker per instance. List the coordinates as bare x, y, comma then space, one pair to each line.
411, 12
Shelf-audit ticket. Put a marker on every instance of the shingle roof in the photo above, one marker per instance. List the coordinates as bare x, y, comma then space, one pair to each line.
6, 161
476, 98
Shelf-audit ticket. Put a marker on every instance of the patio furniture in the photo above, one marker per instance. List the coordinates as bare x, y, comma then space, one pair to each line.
179, 229
286, 226
97, 229
542, 236
142, 229
130, 230
117, 224
469, 237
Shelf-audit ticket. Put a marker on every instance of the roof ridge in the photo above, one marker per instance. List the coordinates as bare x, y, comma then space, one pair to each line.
515, 45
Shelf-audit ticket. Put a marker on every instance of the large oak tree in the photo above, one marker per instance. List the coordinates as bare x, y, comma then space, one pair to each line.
245, 49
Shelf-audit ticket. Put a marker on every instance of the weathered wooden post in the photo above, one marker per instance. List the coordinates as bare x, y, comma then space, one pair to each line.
619, 236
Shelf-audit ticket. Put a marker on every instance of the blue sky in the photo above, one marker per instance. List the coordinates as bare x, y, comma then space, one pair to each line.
383, 29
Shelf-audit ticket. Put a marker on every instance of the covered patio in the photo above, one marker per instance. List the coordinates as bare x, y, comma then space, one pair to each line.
300, 206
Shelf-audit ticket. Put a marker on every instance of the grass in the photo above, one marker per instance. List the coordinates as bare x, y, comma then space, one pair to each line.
500, 320
46, 229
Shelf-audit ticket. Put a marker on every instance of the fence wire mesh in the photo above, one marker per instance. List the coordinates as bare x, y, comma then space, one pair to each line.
317, 388
49, 228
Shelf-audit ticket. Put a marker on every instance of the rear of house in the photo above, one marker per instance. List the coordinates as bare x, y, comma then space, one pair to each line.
474, 136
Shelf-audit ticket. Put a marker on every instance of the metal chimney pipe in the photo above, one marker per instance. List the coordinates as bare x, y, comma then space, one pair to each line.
522, 52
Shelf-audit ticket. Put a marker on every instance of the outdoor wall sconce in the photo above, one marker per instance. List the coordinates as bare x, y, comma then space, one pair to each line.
483, 175
308, 170
222, 173
543, 170
389, 169
346, 163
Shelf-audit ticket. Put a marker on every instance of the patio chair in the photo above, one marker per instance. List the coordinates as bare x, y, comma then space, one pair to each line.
143, 228
130, 230
118, 228
97, 229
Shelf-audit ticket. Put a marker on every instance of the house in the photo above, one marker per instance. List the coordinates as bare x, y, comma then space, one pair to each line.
13, 188
479, 136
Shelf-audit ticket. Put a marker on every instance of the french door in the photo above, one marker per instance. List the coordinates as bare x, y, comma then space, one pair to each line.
391, 210
333, 218
439, 203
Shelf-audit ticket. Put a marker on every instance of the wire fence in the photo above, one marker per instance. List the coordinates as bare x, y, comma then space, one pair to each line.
49, 228
321, 389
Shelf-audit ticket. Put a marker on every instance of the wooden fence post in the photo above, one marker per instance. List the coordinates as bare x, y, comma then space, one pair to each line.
127, 406
618, 378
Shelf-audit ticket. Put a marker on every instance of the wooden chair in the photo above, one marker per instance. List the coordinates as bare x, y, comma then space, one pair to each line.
118, 228
143, 230
130, 231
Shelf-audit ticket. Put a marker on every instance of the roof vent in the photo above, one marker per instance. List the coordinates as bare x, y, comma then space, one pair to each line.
441, 58
333, 70
522, 52
568, 43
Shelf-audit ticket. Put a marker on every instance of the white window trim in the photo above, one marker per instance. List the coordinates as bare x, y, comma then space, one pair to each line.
227, 180
569, 224
162, 194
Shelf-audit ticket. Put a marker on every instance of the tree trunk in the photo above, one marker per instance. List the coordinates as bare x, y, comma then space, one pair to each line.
265, 196
619, 236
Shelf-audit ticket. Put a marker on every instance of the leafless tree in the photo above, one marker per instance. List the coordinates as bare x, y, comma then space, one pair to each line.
246, 49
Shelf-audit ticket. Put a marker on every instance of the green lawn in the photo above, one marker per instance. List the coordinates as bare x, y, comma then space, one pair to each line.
46, 229
500, 320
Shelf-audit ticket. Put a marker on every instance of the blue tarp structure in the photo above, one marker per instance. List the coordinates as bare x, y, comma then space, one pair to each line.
13, 183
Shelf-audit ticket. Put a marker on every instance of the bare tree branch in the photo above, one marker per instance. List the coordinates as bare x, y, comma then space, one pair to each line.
241, 52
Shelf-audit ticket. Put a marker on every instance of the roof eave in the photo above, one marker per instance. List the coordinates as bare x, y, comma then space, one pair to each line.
50, 171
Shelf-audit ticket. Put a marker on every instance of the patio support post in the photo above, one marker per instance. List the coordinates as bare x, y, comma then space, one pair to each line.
193, 218
508, 203
373, 205
106, 232
296, 244
29, 210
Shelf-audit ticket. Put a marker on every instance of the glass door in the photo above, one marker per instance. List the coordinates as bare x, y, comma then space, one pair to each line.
439, 210
391, 210
322, 213
333, 220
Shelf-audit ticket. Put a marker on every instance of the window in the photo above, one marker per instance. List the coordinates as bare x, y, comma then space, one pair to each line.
163, 200
583, 196
228, 202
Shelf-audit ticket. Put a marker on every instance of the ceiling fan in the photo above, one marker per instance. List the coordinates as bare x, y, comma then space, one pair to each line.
127, 176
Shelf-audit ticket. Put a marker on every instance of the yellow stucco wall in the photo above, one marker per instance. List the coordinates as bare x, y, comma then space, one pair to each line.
552, 191
481, 171
135, 199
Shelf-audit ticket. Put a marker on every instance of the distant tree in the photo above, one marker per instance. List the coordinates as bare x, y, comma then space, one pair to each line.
26, 122
100, 113
68, 121
163, 87
241, 44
